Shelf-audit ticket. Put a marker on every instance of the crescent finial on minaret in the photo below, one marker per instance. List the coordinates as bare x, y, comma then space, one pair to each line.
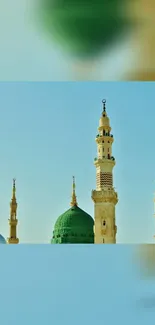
14, 186
13, 200
104, 106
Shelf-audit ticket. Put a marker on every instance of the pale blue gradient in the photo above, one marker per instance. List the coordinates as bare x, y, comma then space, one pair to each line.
47, 134
61, 284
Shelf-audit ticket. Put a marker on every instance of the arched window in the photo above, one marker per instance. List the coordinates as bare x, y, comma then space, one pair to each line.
104, 223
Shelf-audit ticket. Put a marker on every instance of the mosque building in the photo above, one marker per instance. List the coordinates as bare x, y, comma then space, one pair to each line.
75, 226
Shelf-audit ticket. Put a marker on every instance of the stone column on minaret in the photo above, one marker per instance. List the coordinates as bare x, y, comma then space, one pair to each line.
13, 218
104, 197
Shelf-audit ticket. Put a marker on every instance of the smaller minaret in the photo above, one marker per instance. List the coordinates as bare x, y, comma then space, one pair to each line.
13, 220
73, 201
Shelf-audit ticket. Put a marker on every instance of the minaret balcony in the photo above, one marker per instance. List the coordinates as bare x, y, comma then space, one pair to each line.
99, 138
104, 195
102, 127
105, 135
105, 159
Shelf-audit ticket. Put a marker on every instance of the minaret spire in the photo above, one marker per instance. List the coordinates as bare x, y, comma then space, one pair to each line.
104, 106
13, 214
73, 201
104, 197
14, 194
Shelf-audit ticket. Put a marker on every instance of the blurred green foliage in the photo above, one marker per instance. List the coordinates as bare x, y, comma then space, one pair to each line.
83, 28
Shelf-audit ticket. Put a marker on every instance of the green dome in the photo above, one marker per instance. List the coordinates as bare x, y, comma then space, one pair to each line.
75, 226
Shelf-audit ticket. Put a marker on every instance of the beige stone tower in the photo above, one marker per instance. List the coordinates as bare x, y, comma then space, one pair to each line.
104, 197
13, 220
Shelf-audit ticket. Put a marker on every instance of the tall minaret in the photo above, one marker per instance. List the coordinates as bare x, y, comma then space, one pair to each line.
13, 220
104, 197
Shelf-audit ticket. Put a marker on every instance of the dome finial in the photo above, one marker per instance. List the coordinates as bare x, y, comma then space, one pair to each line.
104, 107
73, 201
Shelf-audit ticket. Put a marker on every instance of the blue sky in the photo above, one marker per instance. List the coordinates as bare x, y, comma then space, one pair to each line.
47, 133
44, 284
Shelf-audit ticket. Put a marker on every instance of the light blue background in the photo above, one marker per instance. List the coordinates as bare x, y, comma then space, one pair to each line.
61, 284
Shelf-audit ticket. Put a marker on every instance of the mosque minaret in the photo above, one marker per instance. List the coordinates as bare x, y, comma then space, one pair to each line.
13, 218
105, 198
